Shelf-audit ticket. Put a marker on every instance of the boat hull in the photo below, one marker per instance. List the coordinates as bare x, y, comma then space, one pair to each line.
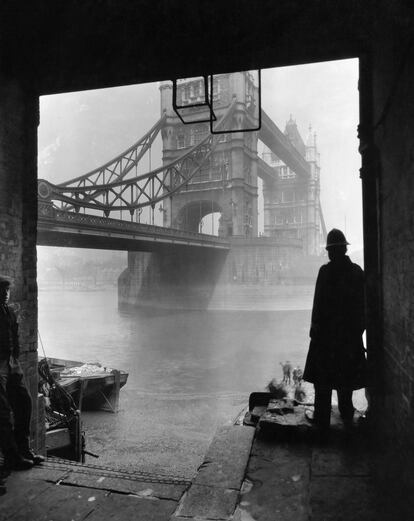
90, 392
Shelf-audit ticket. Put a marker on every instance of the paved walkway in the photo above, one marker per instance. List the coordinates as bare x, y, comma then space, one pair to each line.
63, 491
288, 477
301, 479
247, 475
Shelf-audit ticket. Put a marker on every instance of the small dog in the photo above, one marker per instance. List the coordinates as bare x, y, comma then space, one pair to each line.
279, 390
287, 372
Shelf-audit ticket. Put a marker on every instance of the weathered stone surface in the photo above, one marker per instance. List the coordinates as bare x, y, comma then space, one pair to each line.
226, 459
35, 474
20, 493
139, 488
59, 503
121, 507
279, 453
279, 489
342, 499
331, 462
18, 210
39, 500
204, 502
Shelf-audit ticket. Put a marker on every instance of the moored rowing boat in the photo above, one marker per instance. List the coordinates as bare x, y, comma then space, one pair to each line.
92, 386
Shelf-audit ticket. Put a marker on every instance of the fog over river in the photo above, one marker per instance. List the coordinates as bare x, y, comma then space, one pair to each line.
189, 372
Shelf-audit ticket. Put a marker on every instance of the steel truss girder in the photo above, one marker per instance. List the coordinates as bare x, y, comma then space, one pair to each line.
118, 192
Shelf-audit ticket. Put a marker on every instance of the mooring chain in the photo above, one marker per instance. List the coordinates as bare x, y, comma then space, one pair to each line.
83, 468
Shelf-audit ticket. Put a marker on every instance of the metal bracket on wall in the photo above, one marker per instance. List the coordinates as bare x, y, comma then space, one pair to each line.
189, 112
190, 109
253, 105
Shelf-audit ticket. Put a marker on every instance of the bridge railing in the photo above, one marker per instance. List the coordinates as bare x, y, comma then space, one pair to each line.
47, 213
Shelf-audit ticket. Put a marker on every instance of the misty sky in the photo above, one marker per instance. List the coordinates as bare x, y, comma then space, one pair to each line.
80, 131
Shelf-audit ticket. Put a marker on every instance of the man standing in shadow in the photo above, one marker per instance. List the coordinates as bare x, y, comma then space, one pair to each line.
15, 401
336, 357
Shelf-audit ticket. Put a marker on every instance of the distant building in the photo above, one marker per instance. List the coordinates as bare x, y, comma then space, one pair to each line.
292, 208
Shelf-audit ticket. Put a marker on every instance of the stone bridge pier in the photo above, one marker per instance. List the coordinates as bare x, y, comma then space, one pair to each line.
189, 277
183, 278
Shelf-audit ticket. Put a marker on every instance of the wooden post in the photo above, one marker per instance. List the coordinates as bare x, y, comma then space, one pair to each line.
111, 400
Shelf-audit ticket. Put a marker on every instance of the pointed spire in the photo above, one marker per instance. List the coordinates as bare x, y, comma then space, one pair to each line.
291, 121
293, 134
310, 142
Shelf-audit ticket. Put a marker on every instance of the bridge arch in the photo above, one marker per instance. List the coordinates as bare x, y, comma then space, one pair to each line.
192, 214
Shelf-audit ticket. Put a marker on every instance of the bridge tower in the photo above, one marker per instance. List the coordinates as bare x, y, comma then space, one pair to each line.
227, 182
292, 208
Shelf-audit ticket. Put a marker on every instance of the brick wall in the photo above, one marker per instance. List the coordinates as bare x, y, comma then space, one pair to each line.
18, 211
393, 114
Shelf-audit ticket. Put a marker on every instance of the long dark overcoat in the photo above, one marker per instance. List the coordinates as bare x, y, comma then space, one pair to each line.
9, 338
336, 356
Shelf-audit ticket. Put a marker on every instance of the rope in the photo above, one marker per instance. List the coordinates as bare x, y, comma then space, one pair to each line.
61, 401
41, 343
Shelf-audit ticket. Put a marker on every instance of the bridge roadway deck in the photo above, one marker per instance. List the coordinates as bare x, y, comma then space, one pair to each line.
70, 229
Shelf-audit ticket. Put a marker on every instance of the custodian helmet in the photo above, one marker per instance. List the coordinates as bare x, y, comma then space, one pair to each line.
5, 281
335, 238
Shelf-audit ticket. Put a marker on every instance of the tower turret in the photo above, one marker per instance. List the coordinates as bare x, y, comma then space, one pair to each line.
226, 182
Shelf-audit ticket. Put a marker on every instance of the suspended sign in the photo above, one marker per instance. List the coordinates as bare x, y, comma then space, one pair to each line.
192, 100
209, 99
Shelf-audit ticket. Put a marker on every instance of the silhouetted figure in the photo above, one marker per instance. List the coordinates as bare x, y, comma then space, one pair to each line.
14, 397
336, 357
287, 372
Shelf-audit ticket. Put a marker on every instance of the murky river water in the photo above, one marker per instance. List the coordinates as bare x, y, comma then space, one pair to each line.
189, 372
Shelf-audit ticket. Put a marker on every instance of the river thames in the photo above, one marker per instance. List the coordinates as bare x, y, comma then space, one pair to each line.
189, 372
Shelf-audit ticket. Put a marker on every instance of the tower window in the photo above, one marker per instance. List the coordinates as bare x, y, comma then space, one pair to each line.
192, 137
180, 141
286, 173
200, 133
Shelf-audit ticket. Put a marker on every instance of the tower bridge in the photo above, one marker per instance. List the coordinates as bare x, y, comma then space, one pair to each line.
227, 182
70, 229
201, 174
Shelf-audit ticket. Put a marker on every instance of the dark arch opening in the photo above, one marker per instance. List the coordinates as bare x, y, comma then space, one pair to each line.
192, 217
